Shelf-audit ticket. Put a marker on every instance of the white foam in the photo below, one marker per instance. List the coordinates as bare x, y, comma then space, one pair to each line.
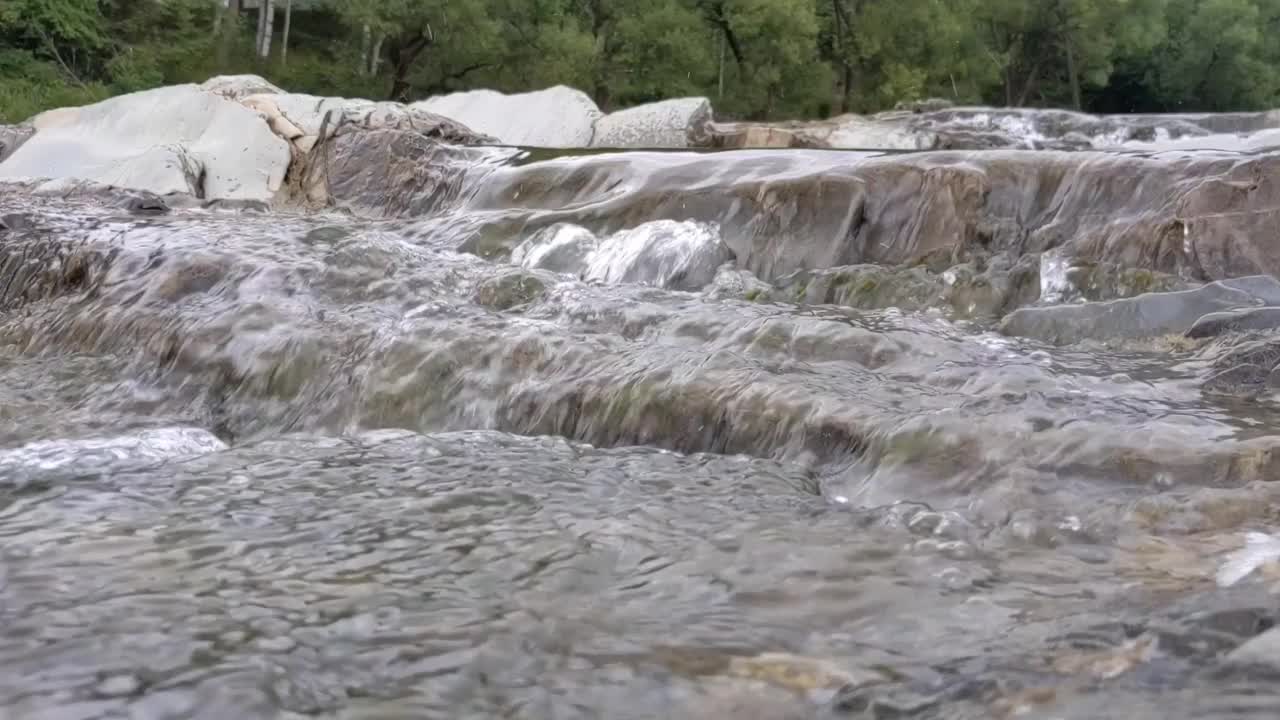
1259, 549
146, 446
1054, 283
664, 253
562, 247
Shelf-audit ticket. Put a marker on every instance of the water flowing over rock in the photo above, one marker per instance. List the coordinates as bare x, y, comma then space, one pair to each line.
444, 429
682, 256
148, 446
1146, 315
1198, 217
976, 128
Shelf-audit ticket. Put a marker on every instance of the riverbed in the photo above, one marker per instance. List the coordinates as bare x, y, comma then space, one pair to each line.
525, 454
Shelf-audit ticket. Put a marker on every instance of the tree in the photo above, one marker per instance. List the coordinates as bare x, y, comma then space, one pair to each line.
69, 32
410, 28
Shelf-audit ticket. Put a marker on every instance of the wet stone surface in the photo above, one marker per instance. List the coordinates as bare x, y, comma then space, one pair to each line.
532, 458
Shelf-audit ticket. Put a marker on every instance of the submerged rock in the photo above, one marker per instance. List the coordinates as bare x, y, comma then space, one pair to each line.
991, 288
1246, 320
1246, 367
511, 289
555, 117
172, 139
1146, 315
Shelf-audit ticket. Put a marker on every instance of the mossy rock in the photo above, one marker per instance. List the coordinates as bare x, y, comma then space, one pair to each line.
510, 290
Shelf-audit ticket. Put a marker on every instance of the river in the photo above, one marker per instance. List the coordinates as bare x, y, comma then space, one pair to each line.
537, 447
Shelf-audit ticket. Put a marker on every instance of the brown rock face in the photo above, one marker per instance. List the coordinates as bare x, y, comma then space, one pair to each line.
386, 163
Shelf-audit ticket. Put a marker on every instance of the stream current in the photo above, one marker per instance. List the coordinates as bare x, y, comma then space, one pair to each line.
460, 464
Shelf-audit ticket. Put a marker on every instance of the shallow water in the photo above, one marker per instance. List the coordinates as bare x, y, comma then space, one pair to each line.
281, 465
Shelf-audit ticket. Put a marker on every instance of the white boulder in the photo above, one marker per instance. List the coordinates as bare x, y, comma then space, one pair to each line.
235, 87
171, 139
677, 123
557, 117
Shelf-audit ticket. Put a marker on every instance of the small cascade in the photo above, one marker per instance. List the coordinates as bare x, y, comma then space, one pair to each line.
664, 253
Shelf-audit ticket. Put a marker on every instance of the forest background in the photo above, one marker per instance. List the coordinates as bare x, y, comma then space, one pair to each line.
755, 59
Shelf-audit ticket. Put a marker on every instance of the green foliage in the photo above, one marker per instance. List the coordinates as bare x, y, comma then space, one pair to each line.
754, 58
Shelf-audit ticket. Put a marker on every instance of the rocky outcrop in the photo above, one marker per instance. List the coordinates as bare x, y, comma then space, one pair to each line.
561, 117
557, 117
302, 119
386, 172
235, 139
1148, 315
11, 137
678, 123
177, 139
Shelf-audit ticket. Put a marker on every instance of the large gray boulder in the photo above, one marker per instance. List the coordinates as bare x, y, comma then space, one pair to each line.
1149, 315
678, 123
177, 139
557, 117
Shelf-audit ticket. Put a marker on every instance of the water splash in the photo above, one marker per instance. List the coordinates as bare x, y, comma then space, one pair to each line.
664, 253
1055, 285
562, 247
1259, 549
147, 446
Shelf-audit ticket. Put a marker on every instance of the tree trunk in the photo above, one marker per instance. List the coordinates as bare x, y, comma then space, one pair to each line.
1073, 76
228, 29
268, 6
217, 17
1032, 79
720, 77
403, 53
846, 99
284, 39
365, 37
262, 26
375, 57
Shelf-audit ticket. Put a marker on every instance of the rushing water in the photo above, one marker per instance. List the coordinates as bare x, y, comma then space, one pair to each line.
274, 465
